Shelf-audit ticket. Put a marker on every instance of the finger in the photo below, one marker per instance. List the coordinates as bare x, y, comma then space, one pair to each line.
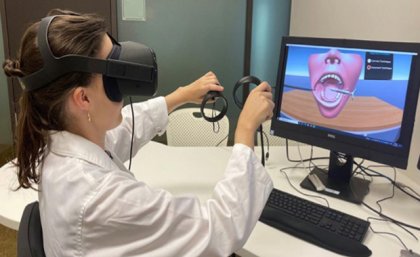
210, 74
268, 95
214, 87
213, 80
268, 87
264, 86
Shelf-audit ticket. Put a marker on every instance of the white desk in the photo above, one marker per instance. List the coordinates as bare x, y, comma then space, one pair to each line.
195, 170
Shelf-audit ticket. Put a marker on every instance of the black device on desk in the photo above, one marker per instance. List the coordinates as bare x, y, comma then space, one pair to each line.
355, 98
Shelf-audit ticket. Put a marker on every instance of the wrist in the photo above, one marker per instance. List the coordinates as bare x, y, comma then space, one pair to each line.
245, 135
176, 99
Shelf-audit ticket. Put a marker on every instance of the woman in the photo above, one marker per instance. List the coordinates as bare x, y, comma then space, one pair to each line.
72, 141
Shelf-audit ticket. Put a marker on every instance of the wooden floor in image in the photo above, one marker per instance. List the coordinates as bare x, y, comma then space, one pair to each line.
361, 113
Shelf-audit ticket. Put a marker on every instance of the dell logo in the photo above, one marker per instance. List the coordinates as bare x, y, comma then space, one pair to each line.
331, 136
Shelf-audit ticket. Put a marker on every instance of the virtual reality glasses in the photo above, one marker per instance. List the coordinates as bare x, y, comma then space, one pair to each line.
129, 70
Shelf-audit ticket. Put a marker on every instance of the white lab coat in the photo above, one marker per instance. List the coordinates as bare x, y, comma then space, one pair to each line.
92, 206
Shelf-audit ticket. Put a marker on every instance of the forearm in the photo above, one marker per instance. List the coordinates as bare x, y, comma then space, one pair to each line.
244, 136
245, 132
175, 99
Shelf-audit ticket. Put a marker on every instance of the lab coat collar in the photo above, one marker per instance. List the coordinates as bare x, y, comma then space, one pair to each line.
68, 144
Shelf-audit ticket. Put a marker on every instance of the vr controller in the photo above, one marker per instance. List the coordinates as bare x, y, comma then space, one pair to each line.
216, 95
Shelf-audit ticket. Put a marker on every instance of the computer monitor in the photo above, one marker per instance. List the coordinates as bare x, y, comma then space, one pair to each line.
355, 98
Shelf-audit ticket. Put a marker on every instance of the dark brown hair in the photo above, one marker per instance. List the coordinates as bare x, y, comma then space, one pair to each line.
43, 109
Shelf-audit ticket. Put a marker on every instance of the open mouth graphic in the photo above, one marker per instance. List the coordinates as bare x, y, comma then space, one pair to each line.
329, 90
333, 76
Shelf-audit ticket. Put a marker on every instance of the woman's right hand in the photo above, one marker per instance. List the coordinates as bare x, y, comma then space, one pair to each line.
257, 109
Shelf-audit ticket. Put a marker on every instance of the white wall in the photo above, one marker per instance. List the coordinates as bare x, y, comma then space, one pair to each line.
387, 20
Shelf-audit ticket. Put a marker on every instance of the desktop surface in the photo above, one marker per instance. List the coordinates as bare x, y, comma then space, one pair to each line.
180, 170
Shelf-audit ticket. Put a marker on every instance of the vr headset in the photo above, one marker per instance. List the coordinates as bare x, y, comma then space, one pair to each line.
129, 70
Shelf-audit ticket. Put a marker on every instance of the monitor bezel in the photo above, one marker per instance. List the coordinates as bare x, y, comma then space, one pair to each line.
365, 149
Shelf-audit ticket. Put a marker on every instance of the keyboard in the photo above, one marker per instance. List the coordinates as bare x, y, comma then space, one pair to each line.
315, 223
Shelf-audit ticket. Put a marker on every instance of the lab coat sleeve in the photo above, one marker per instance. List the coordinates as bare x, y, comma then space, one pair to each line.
150, 119
133, 219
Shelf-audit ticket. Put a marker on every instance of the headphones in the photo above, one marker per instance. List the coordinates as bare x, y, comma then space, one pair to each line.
129, 70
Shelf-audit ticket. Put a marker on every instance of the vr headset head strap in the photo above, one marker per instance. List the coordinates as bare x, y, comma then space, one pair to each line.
55, 67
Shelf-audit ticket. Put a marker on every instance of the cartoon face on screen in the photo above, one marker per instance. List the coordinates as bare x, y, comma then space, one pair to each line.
333, 76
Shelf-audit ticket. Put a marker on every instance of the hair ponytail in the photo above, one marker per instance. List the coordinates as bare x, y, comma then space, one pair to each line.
30, 145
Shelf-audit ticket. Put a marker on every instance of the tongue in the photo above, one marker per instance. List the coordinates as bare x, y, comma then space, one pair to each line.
330, 95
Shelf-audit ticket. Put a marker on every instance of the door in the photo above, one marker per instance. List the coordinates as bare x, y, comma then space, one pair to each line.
16, 15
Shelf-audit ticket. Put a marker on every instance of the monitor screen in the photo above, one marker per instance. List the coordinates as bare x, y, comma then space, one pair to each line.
349, 96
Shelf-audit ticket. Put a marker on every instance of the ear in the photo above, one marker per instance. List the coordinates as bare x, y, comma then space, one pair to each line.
80, 98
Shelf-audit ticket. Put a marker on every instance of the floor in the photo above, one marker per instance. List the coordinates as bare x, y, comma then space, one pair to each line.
7, 236
7, 242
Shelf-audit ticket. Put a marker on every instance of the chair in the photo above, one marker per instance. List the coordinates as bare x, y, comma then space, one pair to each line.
187, 127
29, 238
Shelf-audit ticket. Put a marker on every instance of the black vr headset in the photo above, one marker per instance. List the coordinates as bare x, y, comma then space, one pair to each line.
129, 70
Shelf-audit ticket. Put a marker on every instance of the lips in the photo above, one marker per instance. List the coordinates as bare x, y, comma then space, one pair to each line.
325, 89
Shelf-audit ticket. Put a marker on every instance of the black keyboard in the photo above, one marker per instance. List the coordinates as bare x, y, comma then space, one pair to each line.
315, 223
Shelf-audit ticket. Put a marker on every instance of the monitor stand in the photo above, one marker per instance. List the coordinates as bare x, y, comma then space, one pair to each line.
339, 180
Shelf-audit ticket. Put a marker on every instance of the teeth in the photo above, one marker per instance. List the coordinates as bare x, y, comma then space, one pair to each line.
331, 76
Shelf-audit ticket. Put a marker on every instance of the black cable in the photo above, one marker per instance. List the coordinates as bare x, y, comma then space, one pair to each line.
290, 183
267, 155
397, 185
304, 160
262, 146
389, 233
213, 114
132, 132
392, 194
389, 218
409, 188
364, 170
397, 222
402, 227
222, 140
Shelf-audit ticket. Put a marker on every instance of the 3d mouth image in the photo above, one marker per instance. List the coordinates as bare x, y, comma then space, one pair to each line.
333, 77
